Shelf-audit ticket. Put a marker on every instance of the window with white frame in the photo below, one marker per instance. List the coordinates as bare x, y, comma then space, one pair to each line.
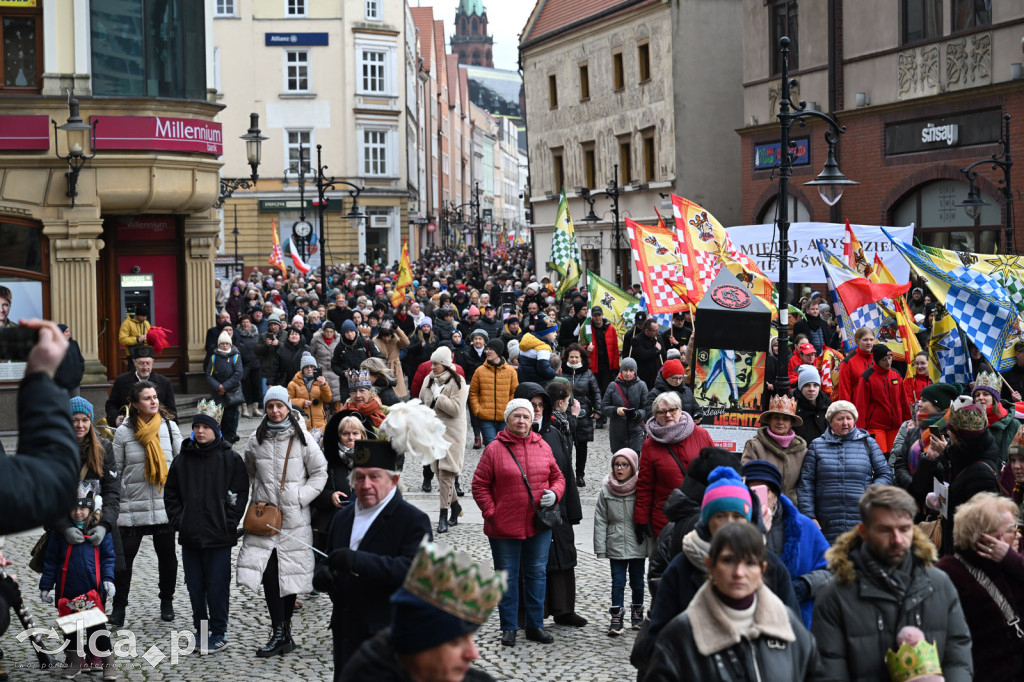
375, 152
373, 76
224, 8
373, 10
295, 8
299, 143
296, 70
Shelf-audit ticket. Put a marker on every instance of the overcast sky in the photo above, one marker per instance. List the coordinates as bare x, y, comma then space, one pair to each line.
505, 19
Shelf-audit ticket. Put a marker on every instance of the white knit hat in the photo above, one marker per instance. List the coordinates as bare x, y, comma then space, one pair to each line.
518, 404
840, 406
442, 356
223, 338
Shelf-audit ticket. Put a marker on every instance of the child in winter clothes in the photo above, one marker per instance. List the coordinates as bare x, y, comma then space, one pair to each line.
75, 570
614, 538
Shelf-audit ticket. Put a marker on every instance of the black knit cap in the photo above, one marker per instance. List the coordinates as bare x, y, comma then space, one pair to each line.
497, 345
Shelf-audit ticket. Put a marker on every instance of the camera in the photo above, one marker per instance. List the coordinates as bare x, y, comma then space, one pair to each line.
16, 342
632, 414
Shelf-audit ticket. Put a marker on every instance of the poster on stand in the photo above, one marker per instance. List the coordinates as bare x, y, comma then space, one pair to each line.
20, 299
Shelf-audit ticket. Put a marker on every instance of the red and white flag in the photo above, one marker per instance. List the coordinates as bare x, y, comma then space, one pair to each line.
299, 264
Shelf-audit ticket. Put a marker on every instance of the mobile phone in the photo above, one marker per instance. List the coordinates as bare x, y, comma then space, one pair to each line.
16, 342
317, 373
762, 494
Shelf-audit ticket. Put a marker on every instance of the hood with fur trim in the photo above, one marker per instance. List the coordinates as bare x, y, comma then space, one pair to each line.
842, 566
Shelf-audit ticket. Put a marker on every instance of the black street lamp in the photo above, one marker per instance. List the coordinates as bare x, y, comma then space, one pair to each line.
234, 233
354, 215
612, 193
452, 213
830, 183
302, 229
75, 132
253, 150
973, 203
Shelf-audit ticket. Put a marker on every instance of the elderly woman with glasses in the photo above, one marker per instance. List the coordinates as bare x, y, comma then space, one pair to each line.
674, 441
988, 575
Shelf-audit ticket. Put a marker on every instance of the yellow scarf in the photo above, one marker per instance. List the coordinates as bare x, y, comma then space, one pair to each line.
156, 462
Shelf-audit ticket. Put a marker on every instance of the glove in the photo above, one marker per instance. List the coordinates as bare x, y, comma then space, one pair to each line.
108, 587
98, 533
232, 498
44, 596
642, 531
73, 536
342, 559
802, 589
548, 499
435, 389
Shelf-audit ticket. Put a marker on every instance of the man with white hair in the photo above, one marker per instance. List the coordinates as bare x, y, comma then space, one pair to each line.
371, 545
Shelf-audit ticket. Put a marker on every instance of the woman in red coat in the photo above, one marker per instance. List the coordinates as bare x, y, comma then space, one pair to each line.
912, 386
501, 494
854, 365
879, 399
673, 443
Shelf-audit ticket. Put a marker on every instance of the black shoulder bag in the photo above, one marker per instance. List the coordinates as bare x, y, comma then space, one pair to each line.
544, 518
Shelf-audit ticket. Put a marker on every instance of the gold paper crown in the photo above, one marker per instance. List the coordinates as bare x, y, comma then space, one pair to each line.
989, 380
453, 582
210, 409
359, 378
913, 661
783, 404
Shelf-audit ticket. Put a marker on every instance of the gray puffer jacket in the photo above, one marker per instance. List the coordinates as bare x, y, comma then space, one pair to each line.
836, 472
614, 536
624, 432
142, 504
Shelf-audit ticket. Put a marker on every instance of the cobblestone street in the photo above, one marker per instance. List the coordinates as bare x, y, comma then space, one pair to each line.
577, 653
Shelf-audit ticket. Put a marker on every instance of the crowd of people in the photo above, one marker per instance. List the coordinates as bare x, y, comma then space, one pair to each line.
885, 503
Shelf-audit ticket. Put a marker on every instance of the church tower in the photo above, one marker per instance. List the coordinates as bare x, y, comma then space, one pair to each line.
471, 42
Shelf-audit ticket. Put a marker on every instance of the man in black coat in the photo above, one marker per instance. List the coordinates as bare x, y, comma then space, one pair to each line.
39, 484
649, 353
210, 345
570, 325
370, 546
142, 358
205, 497
72, 368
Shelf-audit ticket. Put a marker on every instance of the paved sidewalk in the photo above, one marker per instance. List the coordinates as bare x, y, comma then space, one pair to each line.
577, 653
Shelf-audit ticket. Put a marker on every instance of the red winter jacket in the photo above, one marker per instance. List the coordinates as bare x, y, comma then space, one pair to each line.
879, 400
850, 371
499, 490
912, 387
660, 475
611, 339
421, 375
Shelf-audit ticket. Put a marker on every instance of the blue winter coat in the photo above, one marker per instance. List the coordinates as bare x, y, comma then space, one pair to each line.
81, 567
803, 551
224, 369
836, 472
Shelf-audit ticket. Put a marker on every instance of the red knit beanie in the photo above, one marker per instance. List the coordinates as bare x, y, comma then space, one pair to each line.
672, 368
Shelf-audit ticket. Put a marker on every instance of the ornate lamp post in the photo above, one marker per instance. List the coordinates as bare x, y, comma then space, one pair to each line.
973, 204
612, 192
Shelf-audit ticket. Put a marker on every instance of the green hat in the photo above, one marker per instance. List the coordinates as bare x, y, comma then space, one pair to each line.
941, 395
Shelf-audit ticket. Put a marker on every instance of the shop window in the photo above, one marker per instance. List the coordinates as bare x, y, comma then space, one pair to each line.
921, 19
24, 281
149, 48
971, 14
940, 221
21, 60
783, 22
20, 247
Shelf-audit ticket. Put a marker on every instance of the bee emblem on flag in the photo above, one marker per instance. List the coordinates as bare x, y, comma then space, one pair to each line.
653, 241
702, 224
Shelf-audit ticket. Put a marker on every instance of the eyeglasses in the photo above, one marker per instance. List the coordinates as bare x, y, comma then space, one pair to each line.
621, 465
662, 413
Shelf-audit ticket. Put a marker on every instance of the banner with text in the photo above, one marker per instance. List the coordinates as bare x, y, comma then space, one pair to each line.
761, 243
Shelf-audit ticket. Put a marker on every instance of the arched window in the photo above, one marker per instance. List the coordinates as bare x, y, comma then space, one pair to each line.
798, 212
476, 58
939, 221
473, 26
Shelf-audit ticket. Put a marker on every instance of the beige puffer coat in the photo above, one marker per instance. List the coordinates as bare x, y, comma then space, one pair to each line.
141, 503
306, 477
390, 351
450, 408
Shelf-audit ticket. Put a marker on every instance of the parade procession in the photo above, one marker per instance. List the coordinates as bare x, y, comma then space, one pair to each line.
343, 341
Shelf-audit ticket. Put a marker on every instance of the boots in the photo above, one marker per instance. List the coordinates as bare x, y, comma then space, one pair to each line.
456, 513
166, 610
280, 641
458, 488
428, 478
245, 411
74, 664
256, 411
116, 617
109, 668
478, 442
636, 616
442, 522
615, 629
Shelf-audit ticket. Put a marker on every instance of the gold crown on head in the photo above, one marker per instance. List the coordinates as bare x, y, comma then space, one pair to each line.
912, 661
988, 380
210, 409
454, 582
782, 403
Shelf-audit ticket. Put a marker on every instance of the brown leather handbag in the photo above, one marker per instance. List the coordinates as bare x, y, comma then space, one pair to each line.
263, 518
